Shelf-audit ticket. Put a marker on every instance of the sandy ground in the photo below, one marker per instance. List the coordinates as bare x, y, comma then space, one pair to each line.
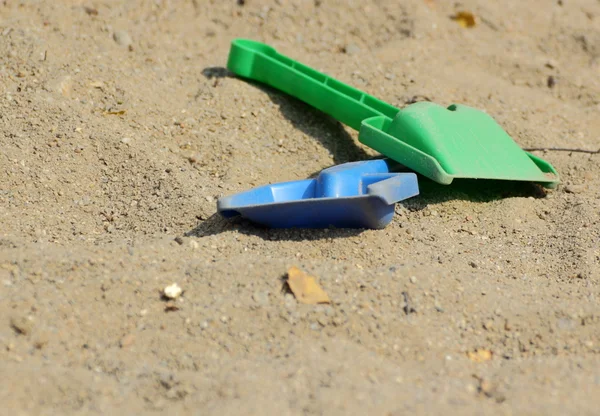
120, 128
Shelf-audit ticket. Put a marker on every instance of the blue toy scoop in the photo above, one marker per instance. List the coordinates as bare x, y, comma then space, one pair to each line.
350, 195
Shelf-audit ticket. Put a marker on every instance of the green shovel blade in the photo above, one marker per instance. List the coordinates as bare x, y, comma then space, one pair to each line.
437, 142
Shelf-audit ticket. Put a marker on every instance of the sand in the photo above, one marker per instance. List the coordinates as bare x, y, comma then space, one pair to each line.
121, 127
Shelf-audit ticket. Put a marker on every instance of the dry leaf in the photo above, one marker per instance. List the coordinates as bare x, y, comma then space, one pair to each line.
480, 355
465, 19
305, 288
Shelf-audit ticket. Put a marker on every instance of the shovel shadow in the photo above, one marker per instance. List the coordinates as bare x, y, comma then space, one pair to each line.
330, 133
479, 191
217, 225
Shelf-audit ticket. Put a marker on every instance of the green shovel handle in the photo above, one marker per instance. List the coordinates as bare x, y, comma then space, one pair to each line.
260, 62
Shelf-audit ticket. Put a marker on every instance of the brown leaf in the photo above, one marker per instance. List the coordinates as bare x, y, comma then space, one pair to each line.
480, 355
465, 19
305, 288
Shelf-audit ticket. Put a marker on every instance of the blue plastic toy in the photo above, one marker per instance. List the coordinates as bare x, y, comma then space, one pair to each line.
350, 195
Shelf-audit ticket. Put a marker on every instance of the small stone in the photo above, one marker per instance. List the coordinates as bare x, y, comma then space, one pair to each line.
323, 321
351, 49
41, 340
122, 38
62, 85
127, 341
490, 389
179, 240
172, 291
566, 324
413, 279
488, 325
338, 321
194, 244
126, 140
574, 189
408, 307
261, 298
290, 301
22, 324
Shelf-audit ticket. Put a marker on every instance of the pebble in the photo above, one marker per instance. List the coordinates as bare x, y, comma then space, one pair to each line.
122, 38
62, 85
127, 341
338, 321
323, 320
574, 189
41, 340
351, 49
290, 301
22, 324
566, 324
260, 297
126, 140
409, 306
172, 291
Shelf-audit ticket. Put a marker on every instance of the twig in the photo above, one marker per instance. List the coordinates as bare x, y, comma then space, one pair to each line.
563, 149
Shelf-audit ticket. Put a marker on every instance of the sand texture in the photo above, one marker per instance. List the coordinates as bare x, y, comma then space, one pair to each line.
120, 128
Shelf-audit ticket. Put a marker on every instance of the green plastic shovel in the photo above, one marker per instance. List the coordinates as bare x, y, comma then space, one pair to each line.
437, 142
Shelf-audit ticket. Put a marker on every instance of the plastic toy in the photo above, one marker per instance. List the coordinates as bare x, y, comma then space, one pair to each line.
437, 142
350, 195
